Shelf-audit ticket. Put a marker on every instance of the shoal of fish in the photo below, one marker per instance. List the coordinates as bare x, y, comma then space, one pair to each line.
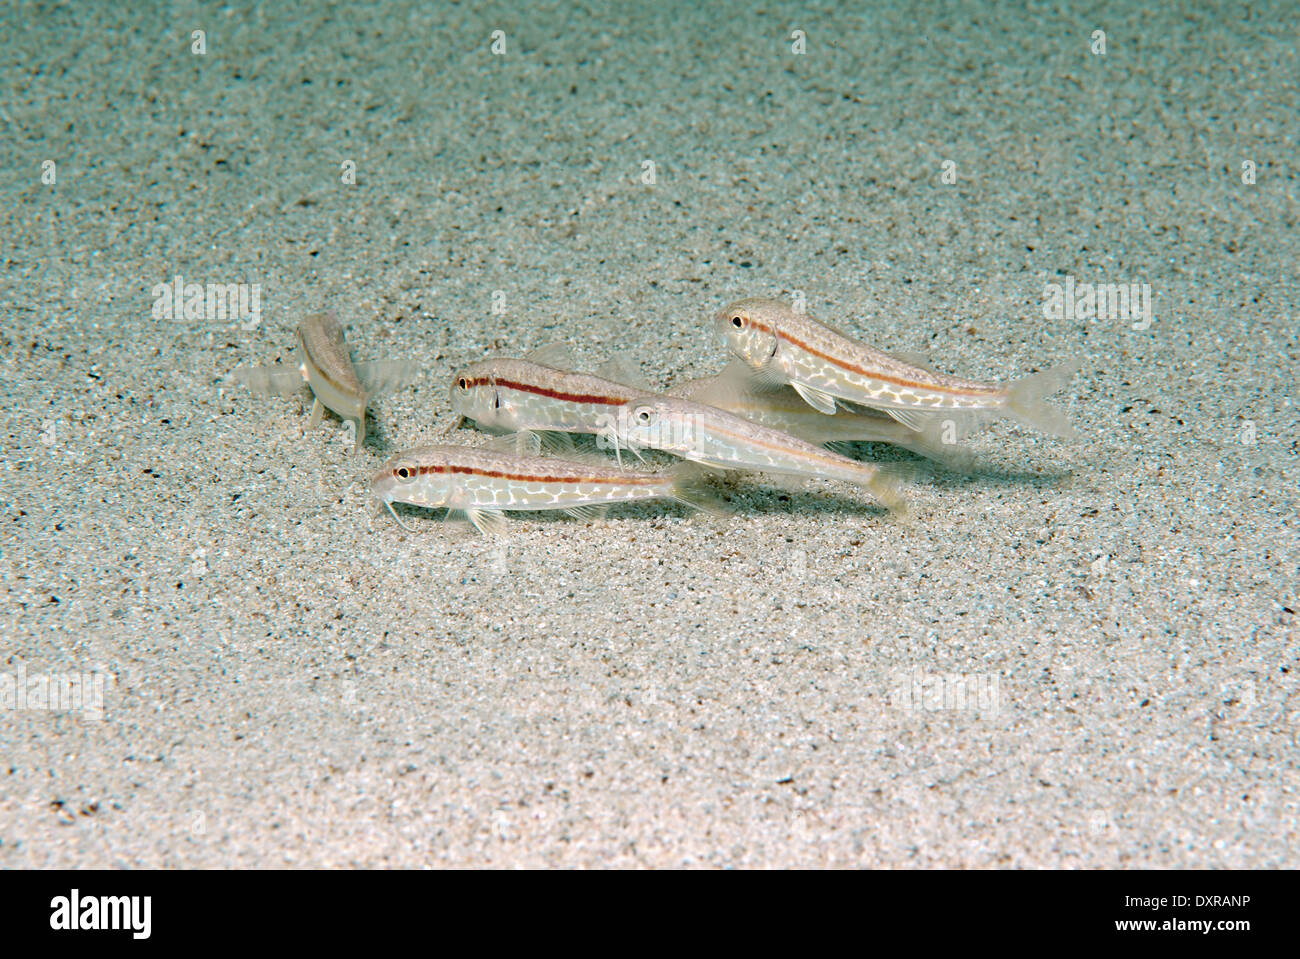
794, 390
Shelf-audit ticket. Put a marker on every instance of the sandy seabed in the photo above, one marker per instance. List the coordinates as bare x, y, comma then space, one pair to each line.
1082, 655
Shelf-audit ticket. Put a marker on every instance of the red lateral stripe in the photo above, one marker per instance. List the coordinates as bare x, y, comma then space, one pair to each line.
622, 478
874, 374
543, 391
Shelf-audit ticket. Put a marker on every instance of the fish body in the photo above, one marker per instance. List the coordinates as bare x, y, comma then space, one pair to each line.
785, 410
825, 367
486, 483
521, 394
325, 366
721, 440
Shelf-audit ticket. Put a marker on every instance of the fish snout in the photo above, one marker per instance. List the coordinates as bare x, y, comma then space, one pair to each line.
383, 483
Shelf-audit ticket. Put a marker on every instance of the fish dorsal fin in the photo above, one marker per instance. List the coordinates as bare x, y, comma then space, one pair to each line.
731, 390
739, 377
270, 380
914, 358
620, 370
555, 355
382, 376
690, 389
523, 443
820, 401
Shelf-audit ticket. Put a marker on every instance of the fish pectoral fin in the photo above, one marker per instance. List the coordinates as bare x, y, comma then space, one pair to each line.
558, 356
270, 380
489, 522
317, 411
383, 376
820, 401
586, 512
708, 466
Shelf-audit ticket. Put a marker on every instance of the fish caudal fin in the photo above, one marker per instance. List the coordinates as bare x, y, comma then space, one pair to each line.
888, 484
384, 376
691, 488
1027, 400
270, 380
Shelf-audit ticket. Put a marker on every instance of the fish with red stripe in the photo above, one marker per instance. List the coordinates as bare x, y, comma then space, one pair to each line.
784, 347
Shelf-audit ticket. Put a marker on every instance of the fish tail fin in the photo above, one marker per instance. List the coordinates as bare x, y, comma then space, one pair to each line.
1027, 400
386, 376
690, 486
889, 483
270, 380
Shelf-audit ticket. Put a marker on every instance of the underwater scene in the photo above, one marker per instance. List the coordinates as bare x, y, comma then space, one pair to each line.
649, 435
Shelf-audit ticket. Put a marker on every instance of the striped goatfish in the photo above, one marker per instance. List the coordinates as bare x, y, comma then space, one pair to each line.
325, 365
515, 395
721, 440
824, 366
487, 483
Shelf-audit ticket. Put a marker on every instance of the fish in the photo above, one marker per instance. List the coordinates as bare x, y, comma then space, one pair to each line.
783, 347
536, 394
525, 395
720, 440
325, 366
487, 483
785, 410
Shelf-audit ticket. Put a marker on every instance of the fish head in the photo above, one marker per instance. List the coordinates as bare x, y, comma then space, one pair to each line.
748, 329
476, 396
411, 477
657, 423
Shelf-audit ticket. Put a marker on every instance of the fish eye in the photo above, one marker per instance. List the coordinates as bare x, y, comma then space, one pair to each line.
643, 415
737, 322
462, 384
404, 473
